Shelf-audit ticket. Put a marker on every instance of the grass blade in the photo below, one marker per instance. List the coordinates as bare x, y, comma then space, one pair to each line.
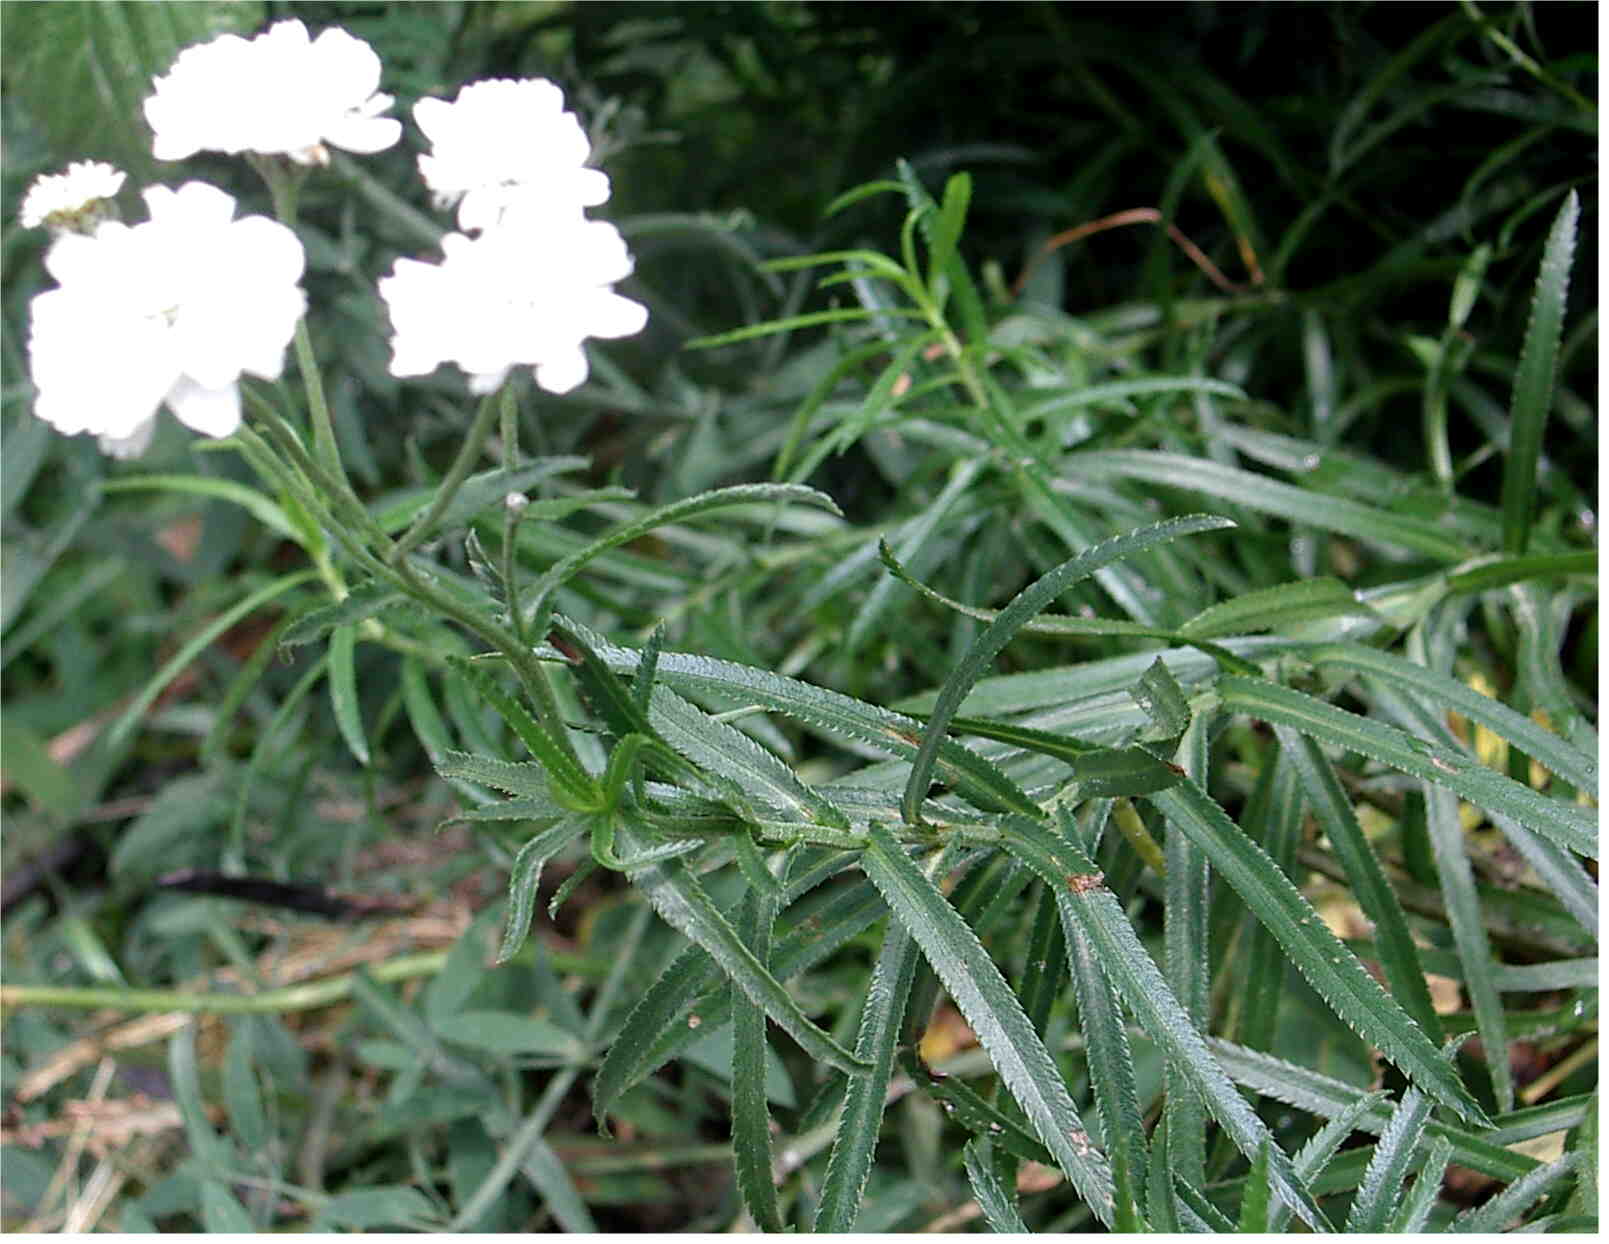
1283, 501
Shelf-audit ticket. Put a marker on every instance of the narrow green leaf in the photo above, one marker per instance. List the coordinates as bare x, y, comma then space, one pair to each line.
838, 715
573, 783
500, 1032
1414, 1210
31, 768
1025, 605
751, 1116
1563, 823
682, 904
966, 1106
1457, 878
655, 1031
1575, 766
363, 601
525, 877
546, 1171
948, 225
260, 507
1275, 608
536, 607
1484, 574
343, 682
1332, 970
1328, 1097
994, 1014
1111, 1071
1514, 1200
1274, 814
913, 536
855, 1140
1186, 916
1382, 1183
1533, 379
195, 645
1321, 1147
1160, 695
999, 1206
1398, 954
1253, 1218
242, 1094
488, 488
810, 319
1195, 1202
690, 974
1283, 501
1088, 907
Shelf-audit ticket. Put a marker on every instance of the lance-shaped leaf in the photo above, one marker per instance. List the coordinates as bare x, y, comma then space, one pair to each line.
1024, 606
1332, 969
1533, 379
837, 715
682, 903
855, 1141
1091, 910
536, 609
995, 1015
1563, 823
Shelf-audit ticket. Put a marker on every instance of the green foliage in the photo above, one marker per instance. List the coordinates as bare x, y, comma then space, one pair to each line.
932, 747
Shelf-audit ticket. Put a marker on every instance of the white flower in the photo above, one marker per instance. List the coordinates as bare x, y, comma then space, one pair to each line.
278, 94
170, 311
526, 292
503, 142
73, 200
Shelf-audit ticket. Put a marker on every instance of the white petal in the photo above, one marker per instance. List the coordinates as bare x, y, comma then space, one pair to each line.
562, 371
212, 412
132, 445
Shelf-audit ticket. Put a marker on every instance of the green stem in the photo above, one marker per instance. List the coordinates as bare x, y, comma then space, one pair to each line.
303, 997
318, 410
468, 452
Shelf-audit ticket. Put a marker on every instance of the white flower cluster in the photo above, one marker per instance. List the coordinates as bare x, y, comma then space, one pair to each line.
170, 311
537, 280
73, 201
173, 311
281, 93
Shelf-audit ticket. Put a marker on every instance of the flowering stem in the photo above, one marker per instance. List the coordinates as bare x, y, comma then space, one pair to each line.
512, 509
318, 410
468, 452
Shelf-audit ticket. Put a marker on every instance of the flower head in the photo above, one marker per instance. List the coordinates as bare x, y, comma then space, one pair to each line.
527, 292
170, 311
281, 93
71, 202
503, 142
